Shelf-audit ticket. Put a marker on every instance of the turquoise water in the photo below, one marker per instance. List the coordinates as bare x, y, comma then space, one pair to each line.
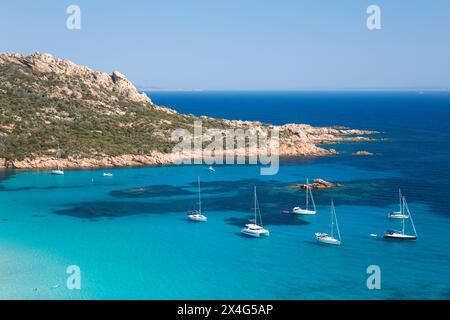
129, 235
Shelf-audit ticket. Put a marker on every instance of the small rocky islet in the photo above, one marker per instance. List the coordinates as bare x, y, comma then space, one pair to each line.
317, 184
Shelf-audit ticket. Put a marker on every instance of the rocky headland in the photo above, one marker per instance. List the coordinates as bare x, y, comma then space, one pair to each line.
100, 120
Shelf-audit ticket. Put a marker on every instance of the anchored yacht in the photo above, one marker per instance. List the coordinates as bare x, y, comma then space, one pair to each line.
401, 213
254, 229
197, 215
306, 210
330, 238
401, 234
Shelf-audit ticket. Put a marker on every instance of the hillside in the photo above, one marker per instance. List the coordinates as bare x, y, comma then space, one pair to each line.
99, 119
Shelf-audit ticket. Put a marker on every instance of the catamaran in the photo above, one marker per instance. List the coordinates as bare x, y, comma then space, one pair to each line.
401, 213
329, 238
254, 229
198, 215
58, 171
306, 211
401, 235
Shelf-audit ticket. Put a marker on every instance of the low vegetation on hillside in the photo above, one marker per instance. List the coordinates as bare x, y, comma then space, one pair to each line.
43, 111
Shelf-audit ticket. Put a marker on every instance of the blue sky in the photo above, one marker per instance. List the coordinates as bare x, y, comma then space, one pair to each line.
243, 44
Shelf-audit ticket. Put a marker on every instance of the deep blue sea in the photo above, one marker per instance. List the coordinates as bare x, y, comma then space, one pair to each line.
129, 235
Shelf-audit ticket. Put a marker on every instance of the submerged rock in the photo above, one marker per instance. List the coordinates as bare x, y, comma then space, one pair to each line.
363, 153
317, 184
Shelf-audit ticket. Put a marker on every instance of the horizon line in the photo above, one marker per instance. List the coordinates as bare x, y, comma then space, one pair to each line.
143, 89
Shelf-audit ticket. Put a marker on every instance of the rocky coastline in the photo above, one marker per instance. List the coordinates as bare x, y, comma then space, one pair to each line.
61, 93
297, 140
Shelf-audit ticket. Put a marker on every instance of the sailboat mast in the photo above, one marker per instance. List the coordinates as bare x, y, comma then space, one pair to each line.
59, 158
405, 206
400, 200
255, 204
332, 218
312, 199
199, 197
337, 225
403, 226
307, 195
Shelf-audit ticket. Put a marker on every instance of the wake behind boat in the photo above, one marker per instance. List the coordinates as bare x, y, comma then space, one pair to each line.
402, 235
329, 238
254, 229
198, 216
306, 210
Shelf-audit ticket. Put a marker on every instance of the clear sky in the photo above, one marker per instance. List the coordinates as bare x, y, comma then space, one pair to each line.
243, 44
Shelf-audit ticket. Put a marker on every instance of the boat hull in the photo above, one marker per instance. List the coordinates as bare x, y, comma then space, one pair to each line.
300, 211
397, 215
197, 218
57, 172
256, 234
326, 239
399, 236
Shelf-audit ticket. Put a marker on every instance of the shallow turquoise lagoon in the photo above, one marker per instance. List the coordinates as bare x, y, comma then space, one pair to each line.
130, 237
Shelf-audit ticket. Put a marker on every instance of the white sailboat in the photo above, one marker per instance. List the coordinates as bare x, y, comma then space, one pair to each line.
330, 238
254, 229
401, 235
198, 216
401, 213
306, 210
59, 170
